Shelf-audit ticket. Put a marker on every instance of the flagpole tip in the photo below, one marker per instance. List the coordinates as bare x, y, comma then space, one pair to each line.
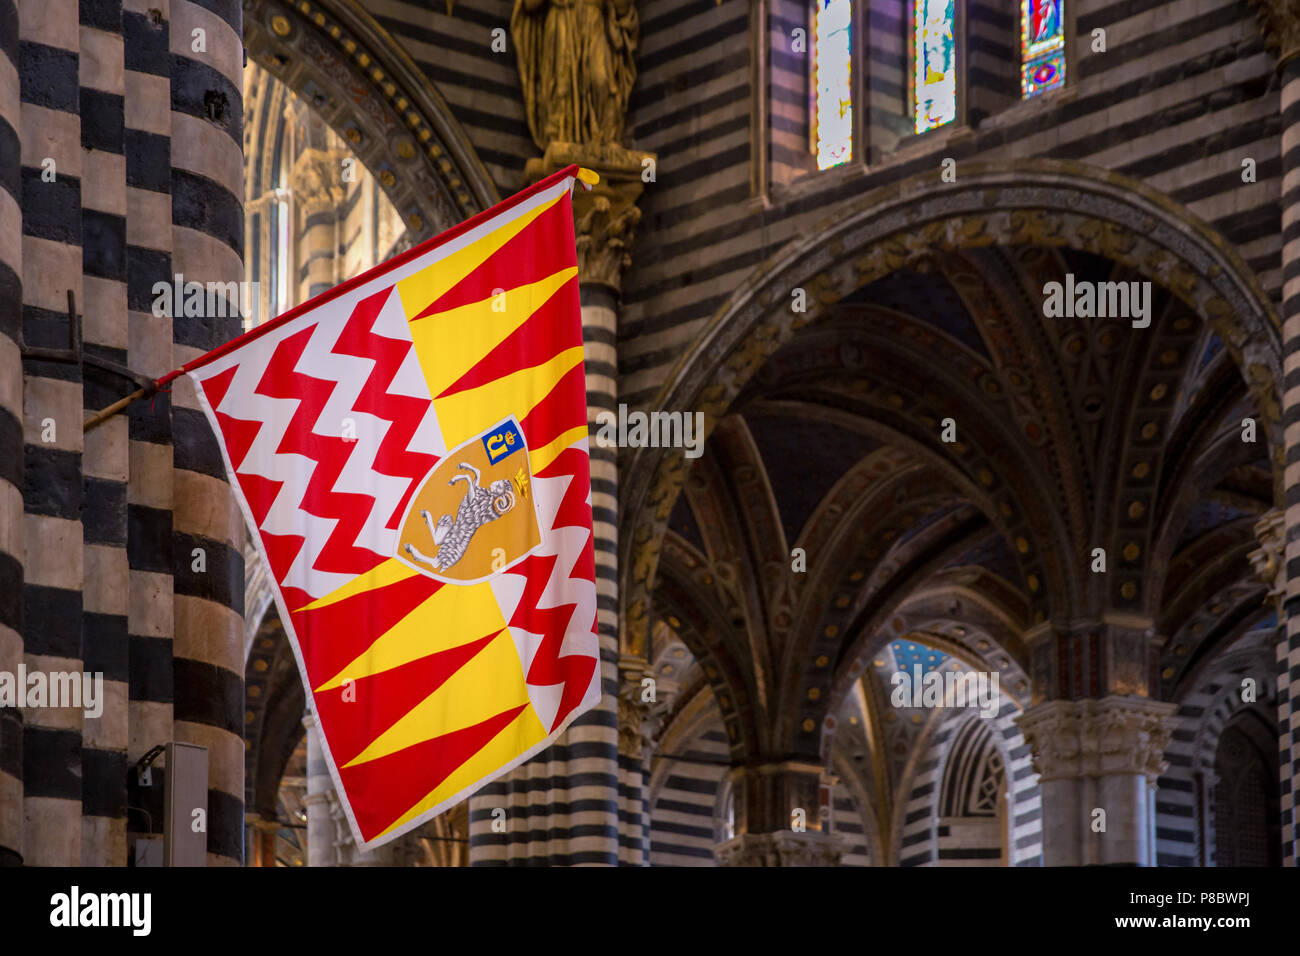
589, 177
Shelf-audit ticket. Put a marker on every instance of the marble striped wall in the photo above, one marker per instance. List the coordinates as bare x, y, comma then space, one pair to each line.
150, 618
1288, 649
54, 575
1142, 108
481, 86
208, 533
11, 432
992, 54
1182, 837
207, 175
886, 27
580, 801
921, 843
1184, 812
105, 459
685, 800
790, 91
847, 824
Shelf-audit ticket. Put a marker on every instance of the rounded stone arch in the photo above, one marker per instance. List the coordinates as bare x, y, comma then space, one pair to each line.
369, 91
1208, 701
1039, 202
917, 812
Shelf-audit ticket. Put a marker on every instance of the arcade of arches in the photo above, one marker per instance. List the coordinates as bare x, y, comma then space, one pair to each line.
913, 473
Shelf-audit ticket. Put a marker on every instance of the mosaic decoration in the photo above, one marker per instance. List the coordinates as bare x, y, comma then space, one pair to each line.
908, 654
832, 74
1042, 46
934, 58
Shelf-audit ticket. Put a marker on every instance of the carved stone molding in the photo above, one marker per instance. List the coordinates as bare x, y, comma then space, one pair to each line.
317, 180
362, 82
629, 723
1279, 21
1269, 559
1088, 738
787, 848
640, 721
606, 216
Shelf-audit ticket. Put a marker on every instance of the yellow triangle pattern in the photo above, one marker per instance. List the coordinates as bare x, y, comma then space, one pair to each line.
452, 615
476, 329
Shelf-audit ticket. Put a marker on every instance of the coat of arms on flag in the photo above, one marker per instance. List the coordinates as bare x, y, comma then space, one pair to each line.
410, 450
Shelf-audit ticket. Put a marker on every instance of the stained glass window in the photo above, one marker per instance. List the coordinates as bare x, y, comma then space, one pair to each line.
1042, 45
831, 81
934, 57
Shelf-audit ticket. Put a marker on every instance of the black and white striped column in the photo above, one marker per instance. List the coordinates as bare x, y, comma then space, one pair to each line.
105, 460
11, 436
147, 135
600, 342
575, 804
49, 49
1288, 650
207, 170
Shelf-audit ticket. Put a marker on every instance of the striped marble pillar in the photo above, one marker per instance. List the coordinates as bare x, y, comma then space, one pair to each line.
582, 800
11, 436
1281, 29
600, 340
564, 807
149, 624
52, 413
320, 827
1288, 650
207, 177
105, 460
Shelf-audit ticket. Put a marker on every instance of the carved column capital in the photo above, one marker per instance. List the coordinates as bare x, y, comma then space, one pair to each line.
783, 848
639, 720
317, 179
630, 740
606, 216
1115, 735
1279, 21
1269, 558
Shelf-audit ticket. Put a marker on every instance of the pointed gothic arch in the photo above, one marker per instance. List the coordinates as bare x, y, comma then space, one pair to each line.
1041, 202
366, 87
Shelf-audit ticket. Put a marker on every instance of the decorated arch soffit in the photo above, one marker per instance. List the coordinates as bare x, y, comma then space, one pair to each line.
348, 68
1050, 203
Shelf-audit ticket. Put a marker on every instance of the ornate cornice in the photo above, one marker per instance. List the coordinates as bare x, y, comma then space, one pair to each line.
1088, 738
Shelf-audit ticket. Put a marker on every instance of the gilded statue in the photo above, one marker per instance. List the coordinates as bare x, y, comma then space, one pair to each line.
576, 61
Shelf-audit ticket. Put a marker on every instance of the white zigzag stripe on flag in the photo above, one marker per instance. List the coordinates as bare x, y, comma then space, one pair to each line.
350, 375
567, 545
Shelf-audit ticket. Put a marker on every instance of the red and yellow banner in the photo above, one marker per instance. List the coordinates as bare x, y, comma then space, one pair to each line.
410, 449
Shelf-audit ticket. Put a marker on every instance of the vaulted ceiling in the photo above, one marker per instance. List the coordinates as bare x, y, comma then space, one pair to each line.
1070, 435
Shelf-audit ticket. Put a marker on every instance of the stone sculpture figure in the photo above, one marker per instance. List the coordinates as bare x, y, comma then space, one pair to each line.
576, 64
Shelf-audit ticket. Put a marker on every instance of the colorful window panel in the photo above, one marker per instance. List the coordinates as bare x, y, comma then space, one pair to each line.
934, 57
832, 82
1042, 45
